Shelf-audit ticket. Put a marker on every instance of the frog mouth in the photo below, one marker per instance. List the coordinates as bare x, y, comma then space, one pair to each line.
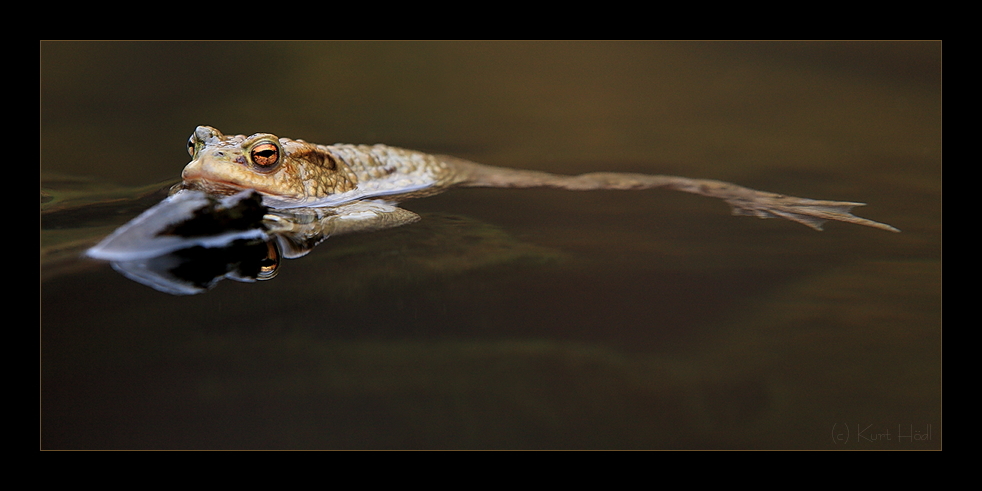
212, 186
227, 188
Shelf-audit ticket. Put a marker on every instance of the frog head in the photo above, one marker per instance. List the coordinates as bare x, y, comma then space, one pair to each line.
286, 172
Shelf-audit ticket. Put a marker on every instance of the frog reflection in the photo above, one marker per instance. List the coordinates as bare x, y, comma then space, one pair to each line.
192, 240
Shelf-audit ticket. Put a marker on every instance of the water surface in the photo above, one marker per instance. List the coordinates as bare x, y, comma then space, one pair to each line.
517, 318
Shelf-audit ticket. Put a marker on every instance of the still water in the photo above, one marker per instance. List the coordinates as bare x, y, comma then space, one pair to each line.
516, 319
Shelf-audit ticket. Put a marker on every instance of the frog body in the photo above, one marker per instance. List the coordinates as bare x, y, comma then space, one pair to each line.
297, 174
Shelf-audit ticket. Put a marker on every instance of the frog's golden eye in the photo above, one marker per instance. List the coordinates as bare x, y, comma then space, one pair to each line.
265, 155
191, 145
270, 265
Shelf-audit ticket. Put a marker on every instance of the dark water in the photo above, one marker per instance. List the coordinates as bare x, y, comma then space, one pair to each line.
518, 318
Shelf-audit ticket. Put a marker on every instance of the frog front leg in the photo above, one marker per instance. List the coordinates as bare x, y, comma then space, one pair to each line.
298, 230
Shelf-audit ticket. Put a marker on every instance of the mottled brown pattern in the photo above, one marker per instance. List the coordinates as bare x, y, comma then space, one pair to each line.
332, 175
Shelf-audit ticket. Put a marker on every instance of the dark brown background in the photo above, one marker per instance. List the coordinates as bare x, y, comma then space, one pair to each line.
521, 318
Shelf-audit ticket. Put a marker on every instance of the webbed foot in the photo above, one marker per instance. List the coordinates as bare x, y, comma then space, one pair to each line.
810, 212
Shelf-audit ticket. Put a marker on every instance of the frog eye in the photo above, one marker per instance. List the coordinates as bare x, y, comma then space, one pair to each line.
265, 155
270, 265
191, 145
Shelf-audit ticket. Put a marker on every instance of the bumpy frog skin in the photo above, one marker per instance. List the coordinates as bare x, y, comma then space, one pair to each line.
296, 174
312, 192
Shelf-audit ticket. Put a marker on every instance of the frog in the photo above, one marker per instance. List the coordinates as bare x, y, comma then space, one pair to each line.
245, 202
295, 174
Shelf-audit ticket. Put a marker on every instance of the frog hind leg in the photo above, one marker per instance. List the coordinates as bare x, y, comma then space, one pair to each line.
810, 212
744, 201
